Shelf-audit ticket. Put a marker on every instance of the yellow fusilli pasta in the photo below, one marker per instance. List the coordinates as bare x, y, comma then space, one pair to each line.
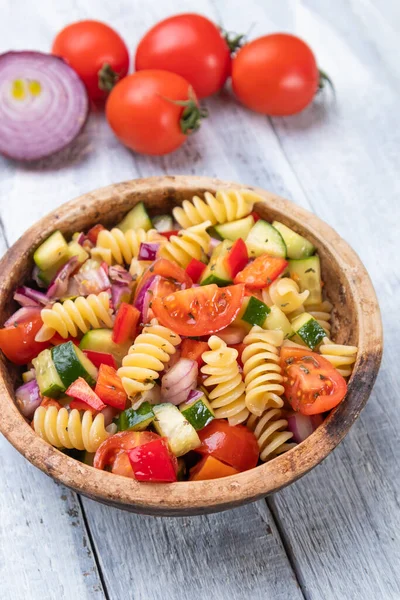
118, 247
322, 313
81, 314
65, 429
342, 357
189, 243
263, 374
225, 206
228, 396
146, 357
285, 293
271, 433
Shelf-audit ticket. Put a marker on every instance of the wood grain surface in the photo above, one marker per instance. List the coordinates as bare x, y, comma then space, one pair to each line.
340, 524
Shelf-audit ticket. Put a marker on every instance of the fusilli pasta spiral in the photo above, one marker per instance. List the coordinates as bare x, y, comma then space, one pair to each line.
342, 357
118, 247
65, 429
228, 396
76, 315
225, 206
285, 293
146, 357
270, 431
189, 243
263, 374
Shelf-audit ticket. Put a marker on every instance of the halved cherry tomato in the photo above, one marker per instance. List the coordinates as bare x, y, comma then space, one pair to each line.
113, 451
125, 324
312, 385
193, 350
101, 358
154, 462
261, 272
168, 234
199, 311
237, 257
18, 342
195, 269
168, 270
234, 445
93, 233
210, 468
109, 387
81, 390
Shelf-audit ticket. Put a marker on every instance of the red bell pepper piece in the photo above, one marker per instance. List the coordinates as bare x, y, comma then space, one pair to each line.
109, 387
79, 405
255, 216
93, 233
237, 257
101, 358
195, 269
261, 272
154, 462
168, 234
81, 390
125, 324
193, 349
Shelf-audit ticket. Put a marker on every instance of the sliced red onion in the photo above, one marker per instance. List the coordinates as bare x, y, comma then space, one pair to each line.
177, 384
23, 314
118, 274
140, 298
172, 362
28, 398
43, 104
58, 287
148, 251
120, 293
232, 334
147, 313
24, 300
302, 426
194, 395
26, 296
92, 281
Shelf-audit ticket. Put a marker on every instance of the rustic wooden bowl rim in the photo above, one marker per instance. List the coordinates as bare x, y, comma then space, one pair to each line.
204, 496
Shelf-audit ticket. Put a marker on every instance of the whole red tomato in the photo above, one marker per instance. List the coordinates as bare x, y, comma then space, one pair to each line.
152, 111
96, 52
275, 75
191, 46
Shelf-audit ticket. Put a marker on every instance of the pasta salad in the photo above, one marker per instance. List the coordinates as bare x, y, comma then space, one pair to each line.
171, 347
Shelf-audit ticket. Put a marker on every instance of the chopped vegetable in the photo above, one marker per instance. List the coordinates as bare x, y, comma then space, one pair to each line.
148, 251
178, 382
303, 426
193, 349
211, 468
154, 462
195, 269
261, 272
170, 423
28, 398
17, 340
136, 419
100, 358
234, 445
80, 390
109, 387
126, 322
237, 257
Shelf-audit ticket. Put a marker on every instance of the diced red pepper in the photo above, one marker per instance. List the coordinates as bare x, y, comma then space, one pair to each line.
168, 234
93, 233
56, 340
255, 216
154, 462
237, 257
125, 324
193, 349
261, 272
109, 387
79, 405
81, 390
195, 269
101, 358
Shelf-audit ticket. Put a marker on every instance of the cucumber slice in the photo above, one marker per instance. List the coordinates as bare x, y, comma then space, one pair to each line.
75, 249
49, 381
198, 412
235, 229
71, 363
297, 245
51, 252
256, 312
100, 340
163, 223
307, 274
169, 422
276, 319
309, 330
136, 420
216, 270
137, 218
265, 239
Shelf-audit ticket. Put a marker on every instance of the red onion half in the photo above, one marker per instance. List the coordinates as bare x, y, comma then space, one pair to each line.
303, 426
28, 398
148, 251
43, 104
177, 384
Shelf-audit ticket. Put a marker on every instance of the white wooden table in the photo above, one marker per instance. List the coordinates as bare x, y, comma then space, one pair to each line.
335, 533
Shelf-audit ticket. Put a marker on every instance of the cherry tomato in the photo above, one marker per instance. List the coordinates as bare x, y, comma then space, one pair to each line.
312, 385
169, 271
191, 46
261, 272
199, 311
234, 445
18, 342
145, 111
193, 350
275, 75
113, 451
96, 52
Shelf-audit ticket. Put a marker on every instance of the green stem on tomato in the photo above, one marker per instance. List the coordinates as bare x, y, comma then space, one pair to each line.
324, 79
234, 40
107, 78
192, 114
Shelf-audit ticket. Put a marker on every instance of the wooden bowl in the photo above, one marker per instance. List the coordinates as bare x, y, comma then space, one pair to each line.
356, 321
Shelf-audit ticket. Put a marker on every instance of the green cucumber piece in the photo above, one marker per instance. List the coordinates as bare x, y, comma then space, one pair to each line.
277, 320
198, 412
256, 312
297, 245
306, 273
51, 252
235, 229
216, 270
265, 239
100, 340
75, 249
136, 420
163, 223
71, 363
309, 330
49, 381
169, 422
137, 218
